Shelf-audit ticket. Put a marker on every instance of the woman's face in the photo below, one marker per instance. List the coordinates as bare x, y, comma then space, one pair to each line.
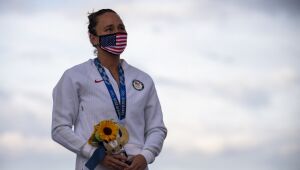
109, 23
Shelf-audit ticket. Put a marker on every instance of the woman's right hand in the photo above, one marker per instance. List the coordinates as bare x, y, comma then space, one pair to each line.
115, 162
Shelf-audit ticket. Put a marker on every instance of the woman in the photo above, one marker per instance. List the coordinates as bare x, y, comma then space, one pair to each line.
107, 87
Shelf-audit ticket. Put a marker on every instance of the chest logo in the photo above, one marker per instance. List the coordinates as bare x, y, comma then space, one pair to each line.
137, 85
98, 81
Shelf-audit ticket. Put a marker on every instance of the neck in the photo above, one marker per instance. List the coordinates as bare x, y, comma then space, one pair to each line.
109, 61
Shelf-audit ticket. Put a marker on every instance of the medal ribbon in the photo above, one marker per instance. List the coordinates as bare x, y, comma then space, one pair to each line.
120, 107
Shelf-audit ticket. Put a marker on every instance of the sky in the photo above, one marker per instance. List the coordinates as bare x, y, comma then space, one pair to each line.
227, 74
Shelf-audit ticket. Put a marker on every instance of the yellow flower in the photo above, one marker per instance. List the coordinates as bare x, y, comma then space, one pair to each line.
92, 140
106, 130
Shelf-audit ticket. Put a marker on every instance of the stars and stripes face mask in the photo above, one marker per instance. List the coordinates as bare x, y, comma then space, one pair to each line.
113, 43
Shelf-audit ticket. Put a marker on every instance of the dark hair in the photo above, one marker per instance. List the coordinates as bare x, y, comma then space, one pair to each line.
93, 19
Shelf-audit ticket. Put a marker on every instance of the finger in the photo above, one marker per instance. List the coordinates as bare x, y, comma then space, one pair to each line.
114, 166
138, 166
109, 162
120, 157
133, 166
119, 163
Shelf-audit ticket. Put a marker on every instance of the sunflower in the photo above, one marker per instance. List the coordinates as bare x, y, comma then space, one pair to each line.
106, 130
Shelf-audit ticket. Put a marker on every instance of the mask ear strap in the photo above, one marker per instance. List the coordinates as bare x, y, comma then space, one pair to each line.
94, 45
98, 44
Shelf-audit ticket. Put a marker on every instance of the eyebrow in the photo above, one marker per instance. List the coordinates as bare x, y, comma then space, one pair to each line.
111, 25
108, 26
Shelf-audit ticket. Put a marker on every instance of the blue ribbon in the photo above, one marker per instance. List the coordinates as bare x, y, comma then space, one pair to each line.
120, 107
97, 157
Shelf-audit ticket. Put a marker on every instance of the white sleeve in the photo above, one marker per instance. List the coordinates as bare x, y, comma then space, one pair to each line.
155, 130
64, 115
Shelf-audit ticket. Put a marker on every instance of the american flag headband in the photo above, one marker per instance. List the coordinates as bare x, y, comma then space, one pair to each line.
113, 43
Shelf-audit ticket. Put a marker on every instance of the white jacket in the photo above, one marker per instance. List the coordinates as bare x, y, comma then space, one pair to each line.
81, 100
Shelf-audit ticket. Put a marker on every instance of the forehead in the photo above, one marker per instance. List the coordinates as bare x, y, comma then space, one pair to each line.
108, 19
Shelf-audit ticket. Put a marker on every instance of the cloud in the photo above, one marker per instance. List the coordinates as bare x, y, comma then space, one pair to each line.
28, 112
15, 5
16, 142
226, 72
262, 157
20, 151
272, 7
32, 151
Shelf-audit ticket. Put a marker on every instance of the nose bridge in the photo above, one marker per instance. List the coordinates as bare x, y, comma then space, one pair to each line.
119, 31
117, 27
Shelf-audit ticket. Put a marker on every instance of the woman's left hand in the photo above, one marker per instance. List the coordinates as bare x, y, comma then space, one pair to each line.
138, 163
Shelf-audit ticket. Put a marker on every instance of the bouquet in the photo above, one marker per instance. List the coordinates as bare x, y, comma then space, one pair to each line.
113, 136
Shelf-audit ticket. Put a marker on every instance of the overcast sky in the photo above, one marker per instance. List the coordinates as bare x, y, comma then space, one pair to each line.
227, 74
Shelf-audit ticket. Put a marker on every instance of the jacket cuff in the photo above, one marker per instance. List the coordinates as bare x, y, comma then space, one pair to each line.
87, 150
149, 156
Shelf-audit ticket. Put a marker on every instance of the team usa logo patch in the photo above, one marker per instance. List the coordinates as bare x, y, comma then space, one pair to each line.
137, 85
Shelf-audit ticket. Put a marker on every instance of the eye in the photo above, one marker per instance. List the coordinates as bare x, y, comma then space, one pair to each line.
108, 29
122, 28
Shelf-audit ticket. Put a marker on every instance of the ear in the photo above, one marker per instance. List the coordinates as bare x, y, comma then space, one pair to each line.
93, 39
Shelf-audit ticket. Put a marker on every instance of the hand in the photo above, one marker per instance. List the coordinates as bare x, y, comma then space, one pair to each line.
138, 163
114, 161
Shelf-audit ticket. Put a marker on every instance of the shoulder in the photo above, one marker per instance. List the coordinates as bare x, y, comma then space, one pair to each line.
81, 68
76, 74
135, 73
79, 71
